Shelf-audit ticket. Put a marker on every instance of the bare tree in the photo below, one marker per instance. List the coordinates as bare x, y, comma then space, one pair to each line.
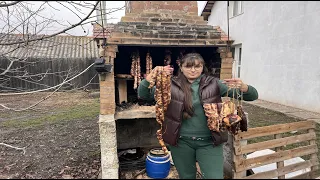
28, 37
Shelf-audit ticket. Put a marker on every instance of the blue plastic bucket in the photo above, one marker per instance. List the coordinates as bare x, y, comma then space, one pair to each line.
158, 166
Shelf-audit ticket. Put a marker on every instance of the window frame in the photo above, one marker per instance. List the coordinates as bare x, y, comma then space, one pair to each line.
237, 56
232, 12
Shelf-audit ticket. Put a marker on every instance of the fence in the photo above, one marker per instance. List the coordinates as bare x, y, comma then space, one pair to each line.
30, 75
291, 140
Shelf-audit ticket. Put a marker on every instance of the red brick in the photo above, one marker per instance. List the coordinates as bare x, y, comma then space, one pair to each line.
227, 60
225, 76
107, 109
139, 6
226, 73
127, 19
193, 9
226, 65
229, 54
171, 2
184, 3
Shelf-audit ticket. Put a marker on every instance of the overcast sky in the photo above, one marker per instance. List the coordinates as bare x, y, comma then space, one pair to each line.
64, 16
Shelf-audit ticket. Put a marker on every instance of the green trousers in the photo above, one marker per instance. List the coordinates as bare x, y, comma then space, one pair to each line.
188, 151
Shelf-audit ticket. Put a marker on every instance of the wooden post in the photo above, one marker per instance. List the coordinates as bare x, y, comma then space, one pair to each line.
278, 149
238, 160
107, 124
314, 157
122, 88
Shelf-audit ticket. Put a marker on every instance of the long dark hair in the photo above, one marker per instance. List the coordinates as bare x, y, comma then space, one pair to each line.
190, 60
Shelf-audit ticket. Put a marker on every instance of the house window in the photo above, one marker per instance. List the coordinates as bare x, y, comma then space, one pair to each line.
239, 63
235, 8
237, 55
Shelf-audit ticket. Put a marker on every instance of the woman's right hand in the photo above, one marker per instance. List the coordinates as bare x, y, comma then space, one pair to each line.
168, 69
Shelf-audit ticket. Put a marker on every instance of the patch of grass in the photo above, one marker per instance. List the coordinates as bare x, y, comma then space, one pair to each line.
90, 110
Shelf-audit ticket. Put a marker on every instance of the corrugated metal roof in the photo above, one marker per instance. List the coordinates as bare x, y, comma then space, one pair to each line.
54, 47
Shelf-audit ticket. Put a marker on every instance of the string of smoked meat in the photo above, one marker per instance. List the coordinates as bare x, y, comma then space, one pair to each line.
162, 96
136, 70
148, 63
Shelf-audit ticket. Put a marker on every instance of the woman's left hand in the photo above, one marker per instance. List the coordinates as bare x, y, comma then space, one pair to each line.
236, 83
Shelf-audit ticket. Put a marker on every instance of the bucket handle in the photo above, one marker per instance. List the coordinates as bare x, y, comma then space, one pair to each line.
157, 162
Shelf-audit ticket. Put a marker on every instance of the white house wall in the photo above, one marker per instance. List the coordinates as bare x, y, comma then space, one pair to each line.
280, 49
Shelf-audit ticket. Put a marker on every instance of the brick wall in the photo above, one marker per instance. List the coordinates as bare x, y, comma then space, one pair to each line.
226, 63
107, 95
98, 32
189, 7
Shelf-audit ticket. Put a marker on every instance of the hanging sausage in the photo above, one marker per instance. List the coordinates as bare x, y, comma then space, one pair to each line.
162, 96
136, 69
148, 63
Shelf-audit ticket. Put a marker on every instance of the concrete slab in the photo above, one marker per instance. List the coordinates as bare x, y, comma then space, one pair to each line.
305, 115
289, 111
274, 106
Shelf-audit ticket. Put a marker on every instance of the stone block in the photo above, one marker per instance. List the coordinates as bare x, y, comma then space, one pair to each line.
150, 15
160, 19
141, 19
127, 19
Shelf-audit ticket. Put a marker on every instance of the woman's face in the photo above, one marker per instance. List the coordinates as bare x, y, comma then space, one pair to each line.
192, 71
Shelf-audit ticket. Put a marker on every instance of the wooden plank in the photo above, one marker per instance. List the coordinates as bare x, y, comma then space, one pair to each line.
313, 156
274, 143
306, 175
146, 112
122, 88
275, 129
281, 163
206, 13
283, 170
125, 76
274, 157
238, 158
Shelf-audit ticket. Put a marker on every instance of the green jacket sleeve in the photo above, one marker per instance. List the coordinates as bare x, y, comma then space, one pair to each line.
250, 95
144, 92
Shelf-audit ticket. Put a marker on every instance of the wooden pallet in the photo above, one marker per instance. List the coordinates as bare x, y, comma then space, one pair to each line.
283, 138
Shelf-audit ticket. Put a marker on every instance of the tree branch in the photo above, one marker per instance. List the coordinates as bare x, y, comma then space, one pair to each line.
13, 147
4, 4
45, 37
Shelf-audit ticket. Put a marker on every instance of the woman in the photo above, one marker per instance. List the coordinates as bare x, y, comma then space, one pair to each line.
185, 127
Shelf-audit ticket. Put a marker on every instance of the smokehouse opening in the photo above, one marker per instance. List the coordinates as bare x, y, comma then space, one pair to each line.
127, 65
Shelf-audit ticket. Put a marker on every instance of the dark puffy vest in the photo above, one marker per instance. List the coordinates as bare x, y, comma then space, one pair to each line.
209, 93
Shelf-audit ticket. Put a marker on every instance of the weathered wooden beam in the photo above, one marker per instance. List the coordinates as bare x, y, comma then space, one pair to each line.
274, 157
125, 76
314, 157
138, 113
284, 170
274, 143
280, 164
275, 129
122, 89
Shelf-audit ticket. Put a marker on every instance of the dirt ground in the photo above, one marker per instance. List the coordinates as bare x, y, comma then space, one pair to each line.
61, 136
